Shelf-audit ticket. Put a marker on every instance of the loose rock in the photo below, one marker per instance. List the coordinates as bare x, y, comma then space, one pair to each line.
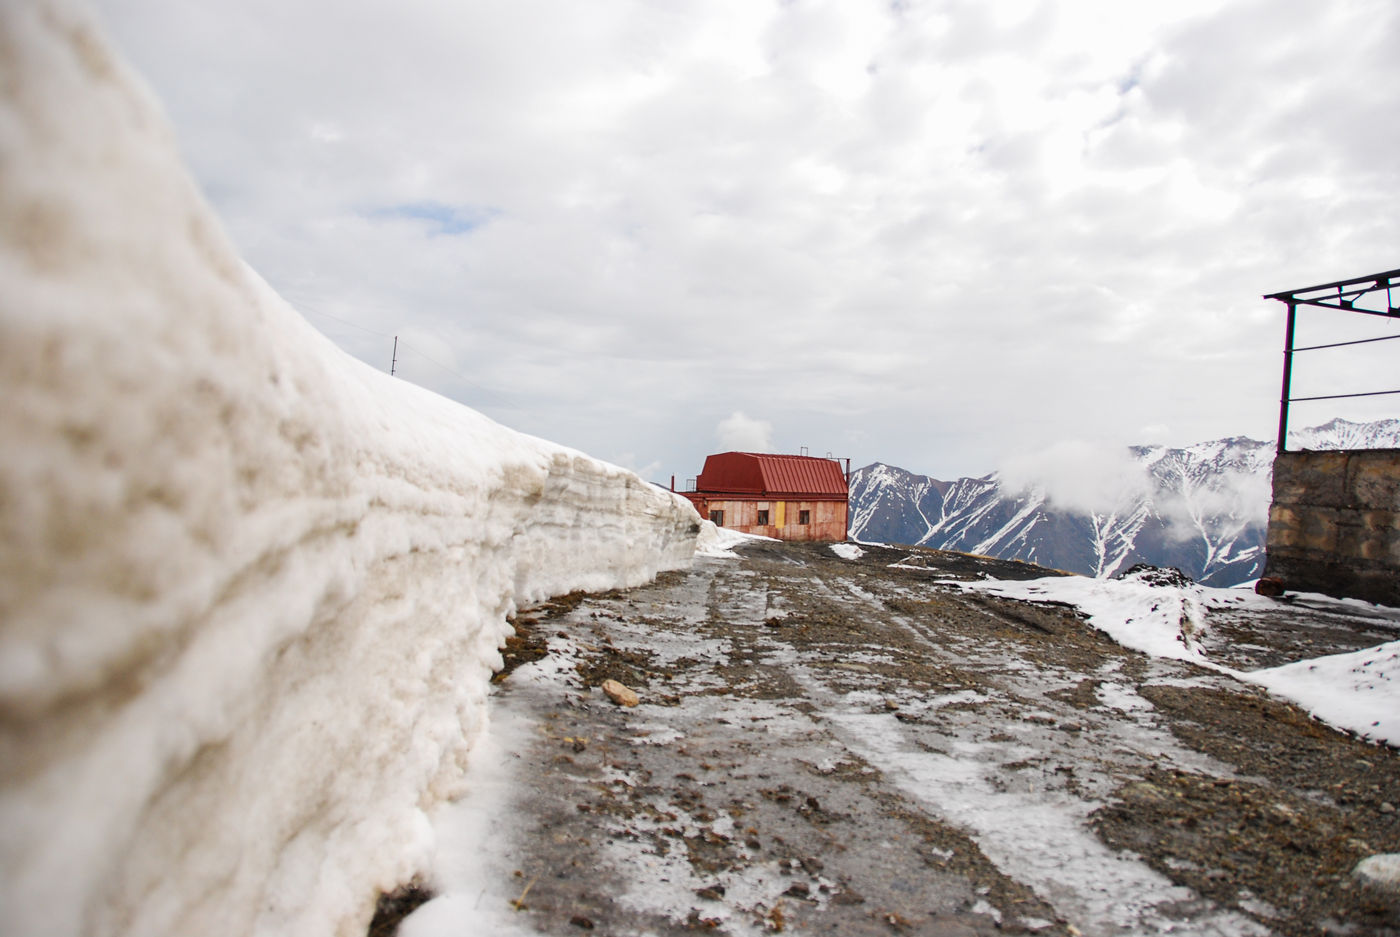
619, 694
1380, 871
1156, 575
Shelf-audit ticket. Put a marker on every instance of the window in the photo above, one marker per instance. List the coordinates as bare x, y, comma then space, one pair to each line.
717, 518
763, 518
804, 517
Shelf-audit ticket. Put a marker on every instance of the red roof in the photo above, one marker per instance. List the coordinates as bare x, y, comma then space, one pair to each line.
757, 473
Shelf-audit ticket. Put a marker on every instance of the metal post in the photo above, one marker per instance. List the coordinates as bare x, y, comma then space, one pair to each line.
846, 527
1287, 379
395, 362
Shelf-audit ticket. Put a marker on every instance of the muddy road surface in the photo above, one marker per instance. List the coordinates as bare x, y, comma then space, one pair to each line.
849, 747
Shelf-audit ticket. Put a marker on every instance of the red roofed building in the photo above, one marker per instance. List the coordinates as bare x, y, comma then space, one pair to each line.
789, 497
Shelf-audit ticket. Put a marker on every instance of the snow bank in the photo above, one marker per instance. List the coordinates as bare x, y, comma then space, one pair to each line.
250, 589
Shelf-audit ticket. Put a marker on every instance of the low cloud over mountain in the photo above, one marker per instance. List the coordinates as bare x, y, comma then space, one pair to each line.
1078, 507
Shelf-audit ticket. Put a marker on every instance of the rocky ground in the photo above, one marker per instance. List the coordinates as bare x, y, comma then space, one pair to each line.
847, 747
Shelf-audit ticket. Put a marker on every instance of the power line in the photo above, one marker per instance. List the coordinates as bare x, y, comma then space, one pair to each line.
306, 307
500, 400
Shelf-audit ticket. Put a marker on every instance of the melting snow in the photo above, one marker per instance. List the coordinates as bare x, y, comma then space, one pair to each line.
1038, 837
847, 551
1357, 691
720, 541
1158, 620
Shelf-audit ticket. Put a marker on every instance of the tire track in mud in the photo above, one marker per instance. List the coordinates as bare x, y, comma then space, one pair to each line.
837, 747
1009, 780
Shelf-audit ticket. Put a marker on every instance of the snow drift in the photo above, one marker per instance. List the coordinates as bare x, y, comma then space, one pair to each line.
250, 590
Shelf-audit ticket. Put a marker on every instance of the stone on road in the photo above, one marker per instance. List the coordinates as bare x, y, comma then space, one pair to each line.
847, 747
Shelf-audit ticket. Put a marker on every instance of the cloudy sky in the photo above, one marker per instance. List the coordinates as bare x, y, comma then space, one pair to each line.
937, 233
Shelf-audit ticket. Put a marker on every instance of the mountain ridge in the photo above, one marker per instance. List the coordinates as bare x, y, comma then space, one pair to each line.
1202, 508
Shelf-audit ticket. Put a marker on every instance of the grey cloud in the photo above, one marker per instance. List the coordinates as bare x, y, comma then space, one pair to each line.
936, 234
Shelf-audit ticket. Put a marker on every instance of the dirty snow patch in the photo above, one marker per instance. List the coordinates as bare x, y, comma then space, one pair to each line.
720, 541
1122, 698
1039, 838
1164, 621
474, 836
1359, 690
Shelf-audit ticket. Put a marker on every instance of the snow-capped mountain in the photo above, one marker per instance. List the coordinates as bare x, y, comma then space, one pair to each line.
1340, 434
1202, 508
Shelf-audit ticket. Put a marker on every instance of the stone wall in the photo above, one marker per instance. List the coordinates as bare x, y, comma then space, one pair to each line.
1334, 526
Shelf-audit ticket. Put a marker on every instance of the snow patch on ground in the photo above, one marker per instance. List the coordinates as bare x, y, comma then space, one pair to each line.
251, 590
1037, 837
1357, 691
721, 541
1164, 621
1122, 698
847, 551
474, 834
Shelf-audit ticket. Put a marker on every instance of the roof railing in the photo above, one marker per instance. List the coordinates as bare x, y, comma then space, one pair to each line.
1343, 295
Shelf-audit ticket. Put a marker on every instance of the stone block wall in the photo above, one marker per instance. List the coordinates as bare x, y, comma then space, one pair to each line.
1334, 525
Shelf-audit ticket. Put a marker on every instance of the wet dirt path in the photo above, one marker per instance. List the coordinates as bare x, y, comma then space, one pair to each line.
835, 747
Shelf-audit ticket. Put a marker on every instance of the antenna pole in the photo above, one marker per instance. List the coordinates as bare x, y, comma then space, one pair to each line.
395, 362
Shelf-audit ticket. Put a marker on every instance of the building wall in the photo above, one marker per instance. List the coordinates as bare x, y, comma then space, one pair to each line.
826, 520
1334, 525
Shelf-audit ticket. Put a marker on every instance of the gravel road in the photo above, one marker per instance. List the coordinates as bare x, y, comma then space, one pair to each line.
847, 747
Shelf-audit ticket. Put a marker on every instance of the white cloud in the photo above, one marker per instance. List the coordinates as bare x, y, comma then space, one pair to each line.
1079, 476
1240, 496
740, 433
1104, 478
1154, 433
903, 219
629, 461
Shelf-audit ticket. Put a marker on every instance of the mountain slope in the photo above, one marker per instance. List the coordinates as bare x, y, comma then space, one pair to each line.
1201, 508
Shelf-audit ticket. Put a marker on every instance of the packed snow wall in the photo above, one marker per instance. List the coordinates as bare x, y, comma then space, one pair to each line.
251, 590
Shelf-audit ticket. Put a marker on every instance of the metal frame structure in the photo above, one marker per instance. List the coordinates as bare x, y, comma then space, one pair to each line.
1344, 295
